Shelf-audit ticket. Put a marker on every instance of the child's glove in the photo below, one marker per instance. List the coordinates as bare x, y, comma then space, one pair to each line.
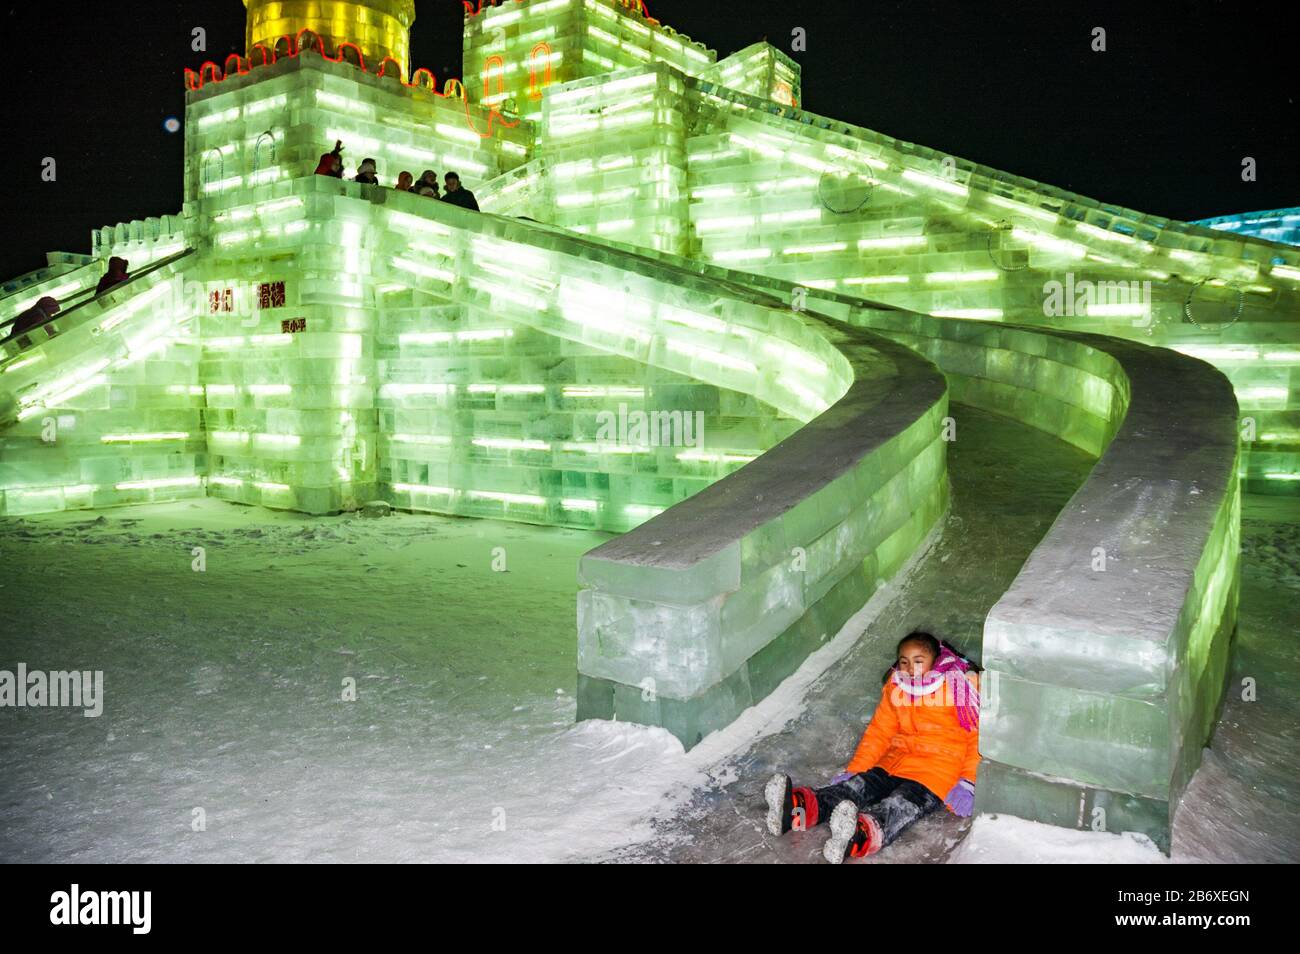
961, 799
842, 777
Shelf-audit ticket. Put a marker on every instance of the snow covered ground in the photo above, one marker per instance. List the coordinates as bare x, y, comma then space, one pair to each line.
225, 690
225, 709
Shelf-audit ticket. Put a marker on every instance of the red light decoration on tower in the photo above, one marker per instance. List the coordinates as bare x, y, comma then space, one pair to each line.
213, 72
360, 62
500, 65
534, 88
288, 47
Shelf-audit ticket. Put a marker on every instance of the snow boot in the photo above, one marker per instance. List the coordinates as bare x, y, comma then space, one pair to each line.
853, 834
789, 808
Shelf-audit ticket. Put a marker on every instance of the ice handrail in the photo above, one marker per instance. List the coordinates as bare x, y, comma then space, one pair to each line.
63, 316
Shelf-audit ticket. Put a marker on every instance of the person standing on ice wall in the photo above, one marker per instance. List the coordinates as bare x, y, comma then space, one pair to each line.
427, 184
331, 163
919, 751
454, 194
366, 174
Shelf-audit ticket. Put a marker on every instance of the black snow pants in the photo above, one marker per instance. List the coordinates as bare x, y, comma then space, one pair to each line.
895, 803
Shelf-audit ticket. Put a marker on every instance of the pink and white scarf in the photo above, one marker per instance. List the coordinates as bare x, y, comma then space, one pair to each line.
950, 671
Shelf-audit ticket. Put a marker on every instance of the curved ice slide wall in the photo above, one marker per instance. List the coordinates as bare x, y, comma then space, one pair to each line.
697, 614
1107, 656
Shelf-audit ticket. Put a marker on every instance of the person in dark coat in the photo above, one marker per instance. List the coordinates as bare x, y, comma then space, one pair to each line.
115, 275
456, 195
34, 317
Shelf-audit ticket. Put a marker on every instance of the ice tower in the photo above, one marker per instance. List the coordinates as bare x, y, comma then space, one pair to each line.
695, 313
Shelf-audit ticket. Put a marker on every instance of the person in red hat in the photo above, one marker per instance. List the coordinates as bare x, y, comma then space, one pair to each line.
331, 163
115, 275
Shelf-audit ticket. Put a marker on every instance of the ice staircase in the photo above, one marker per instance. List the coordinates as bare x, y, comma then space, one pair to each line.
67, 278
101, 406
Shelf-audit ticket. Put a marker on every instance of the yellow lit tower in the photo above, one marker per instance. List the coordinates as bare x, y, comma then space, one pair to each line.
379, 28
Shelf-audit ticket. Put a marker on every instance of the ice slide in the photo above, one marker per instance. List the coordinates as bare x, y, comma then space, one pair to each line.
68, 278
1069, 648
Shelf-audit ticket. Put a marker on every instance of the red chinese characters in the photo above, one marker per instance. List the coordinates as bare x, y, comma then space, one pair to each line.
221, 299
270, 295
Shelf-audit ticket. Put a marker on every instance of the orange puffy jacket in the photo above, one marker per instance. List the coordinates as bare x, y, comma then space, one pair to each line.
916, 739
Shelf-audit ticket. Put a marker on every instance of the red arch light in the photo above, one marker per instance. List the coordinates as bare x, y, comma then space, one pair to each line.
534, 90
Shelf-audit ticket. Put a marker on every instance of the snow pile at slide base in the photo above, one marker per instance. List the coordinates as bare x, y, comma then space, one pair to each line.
1007, 840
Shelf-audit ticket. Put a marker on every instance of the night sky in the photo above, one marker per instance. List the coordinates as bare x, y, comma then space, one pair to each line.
1160, 122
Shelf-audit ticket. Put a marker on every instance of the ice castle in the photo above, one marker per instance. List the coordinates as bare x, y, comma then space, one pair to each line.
697, 314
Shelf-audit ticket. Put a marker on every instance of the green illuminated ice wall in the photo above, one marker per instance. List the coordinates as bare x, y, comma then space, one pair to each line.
703, 317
